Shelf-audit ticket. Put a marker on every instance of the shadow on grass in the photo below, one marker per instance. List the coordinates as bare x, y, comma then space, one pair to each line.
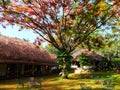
57, 83
99, 89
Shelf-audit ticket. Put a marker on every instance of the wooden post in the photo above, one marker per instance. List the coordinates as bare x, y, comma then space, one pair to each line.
22, 70
33, 70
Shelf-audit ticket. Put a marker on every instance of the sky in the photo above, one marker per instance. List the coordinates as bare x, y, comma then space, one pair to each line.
12, 31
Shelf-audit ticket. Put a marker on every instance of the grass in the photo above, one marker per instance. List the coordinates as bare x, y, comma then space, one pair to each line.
56, 83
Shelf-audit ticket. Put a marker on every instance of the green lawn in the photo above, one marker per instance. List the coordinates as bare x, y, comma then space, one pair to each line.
56, 83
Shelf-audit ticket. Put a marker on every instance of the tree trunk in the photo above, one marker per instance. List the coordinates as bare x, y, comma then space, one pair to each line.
63, 72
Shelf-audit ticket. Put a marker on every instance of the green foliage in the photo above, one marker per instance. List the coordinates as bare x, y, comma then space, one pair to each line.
84, 60
96, 41
116, 62
64, 58
4, 2
51, 49
116, 79
111, 49
75, 5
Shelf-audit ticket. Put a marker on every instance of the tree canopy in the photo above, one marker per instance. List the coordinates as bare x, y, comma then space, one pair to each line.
63, 23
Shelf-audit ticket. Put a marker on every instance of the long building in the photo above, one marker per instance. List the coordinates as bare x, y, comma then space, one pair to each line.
20, 58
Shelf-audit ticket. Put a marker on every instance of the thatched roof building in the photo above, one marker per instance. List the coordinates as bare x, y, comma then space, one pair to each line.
13, 50
94, 56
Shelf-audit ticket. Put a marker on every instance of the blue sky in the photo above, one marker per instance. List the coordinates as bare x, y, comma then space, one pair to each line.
12, 31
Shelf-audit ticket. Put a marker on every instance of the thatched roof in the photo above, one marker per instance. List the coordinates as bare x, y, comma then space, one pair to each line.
13, 50
94, 56
82, 51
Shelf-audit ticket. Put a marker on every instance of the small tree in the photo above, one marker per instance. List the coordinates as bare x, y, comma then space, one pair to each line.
63, 23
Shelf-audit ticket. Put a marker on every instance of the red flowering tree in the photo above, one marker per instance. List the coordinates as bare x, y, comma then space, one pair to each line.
63, 23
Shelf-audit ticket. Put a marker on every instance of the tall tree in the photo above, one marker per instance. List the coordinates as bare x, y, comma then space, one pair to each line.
63, 23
